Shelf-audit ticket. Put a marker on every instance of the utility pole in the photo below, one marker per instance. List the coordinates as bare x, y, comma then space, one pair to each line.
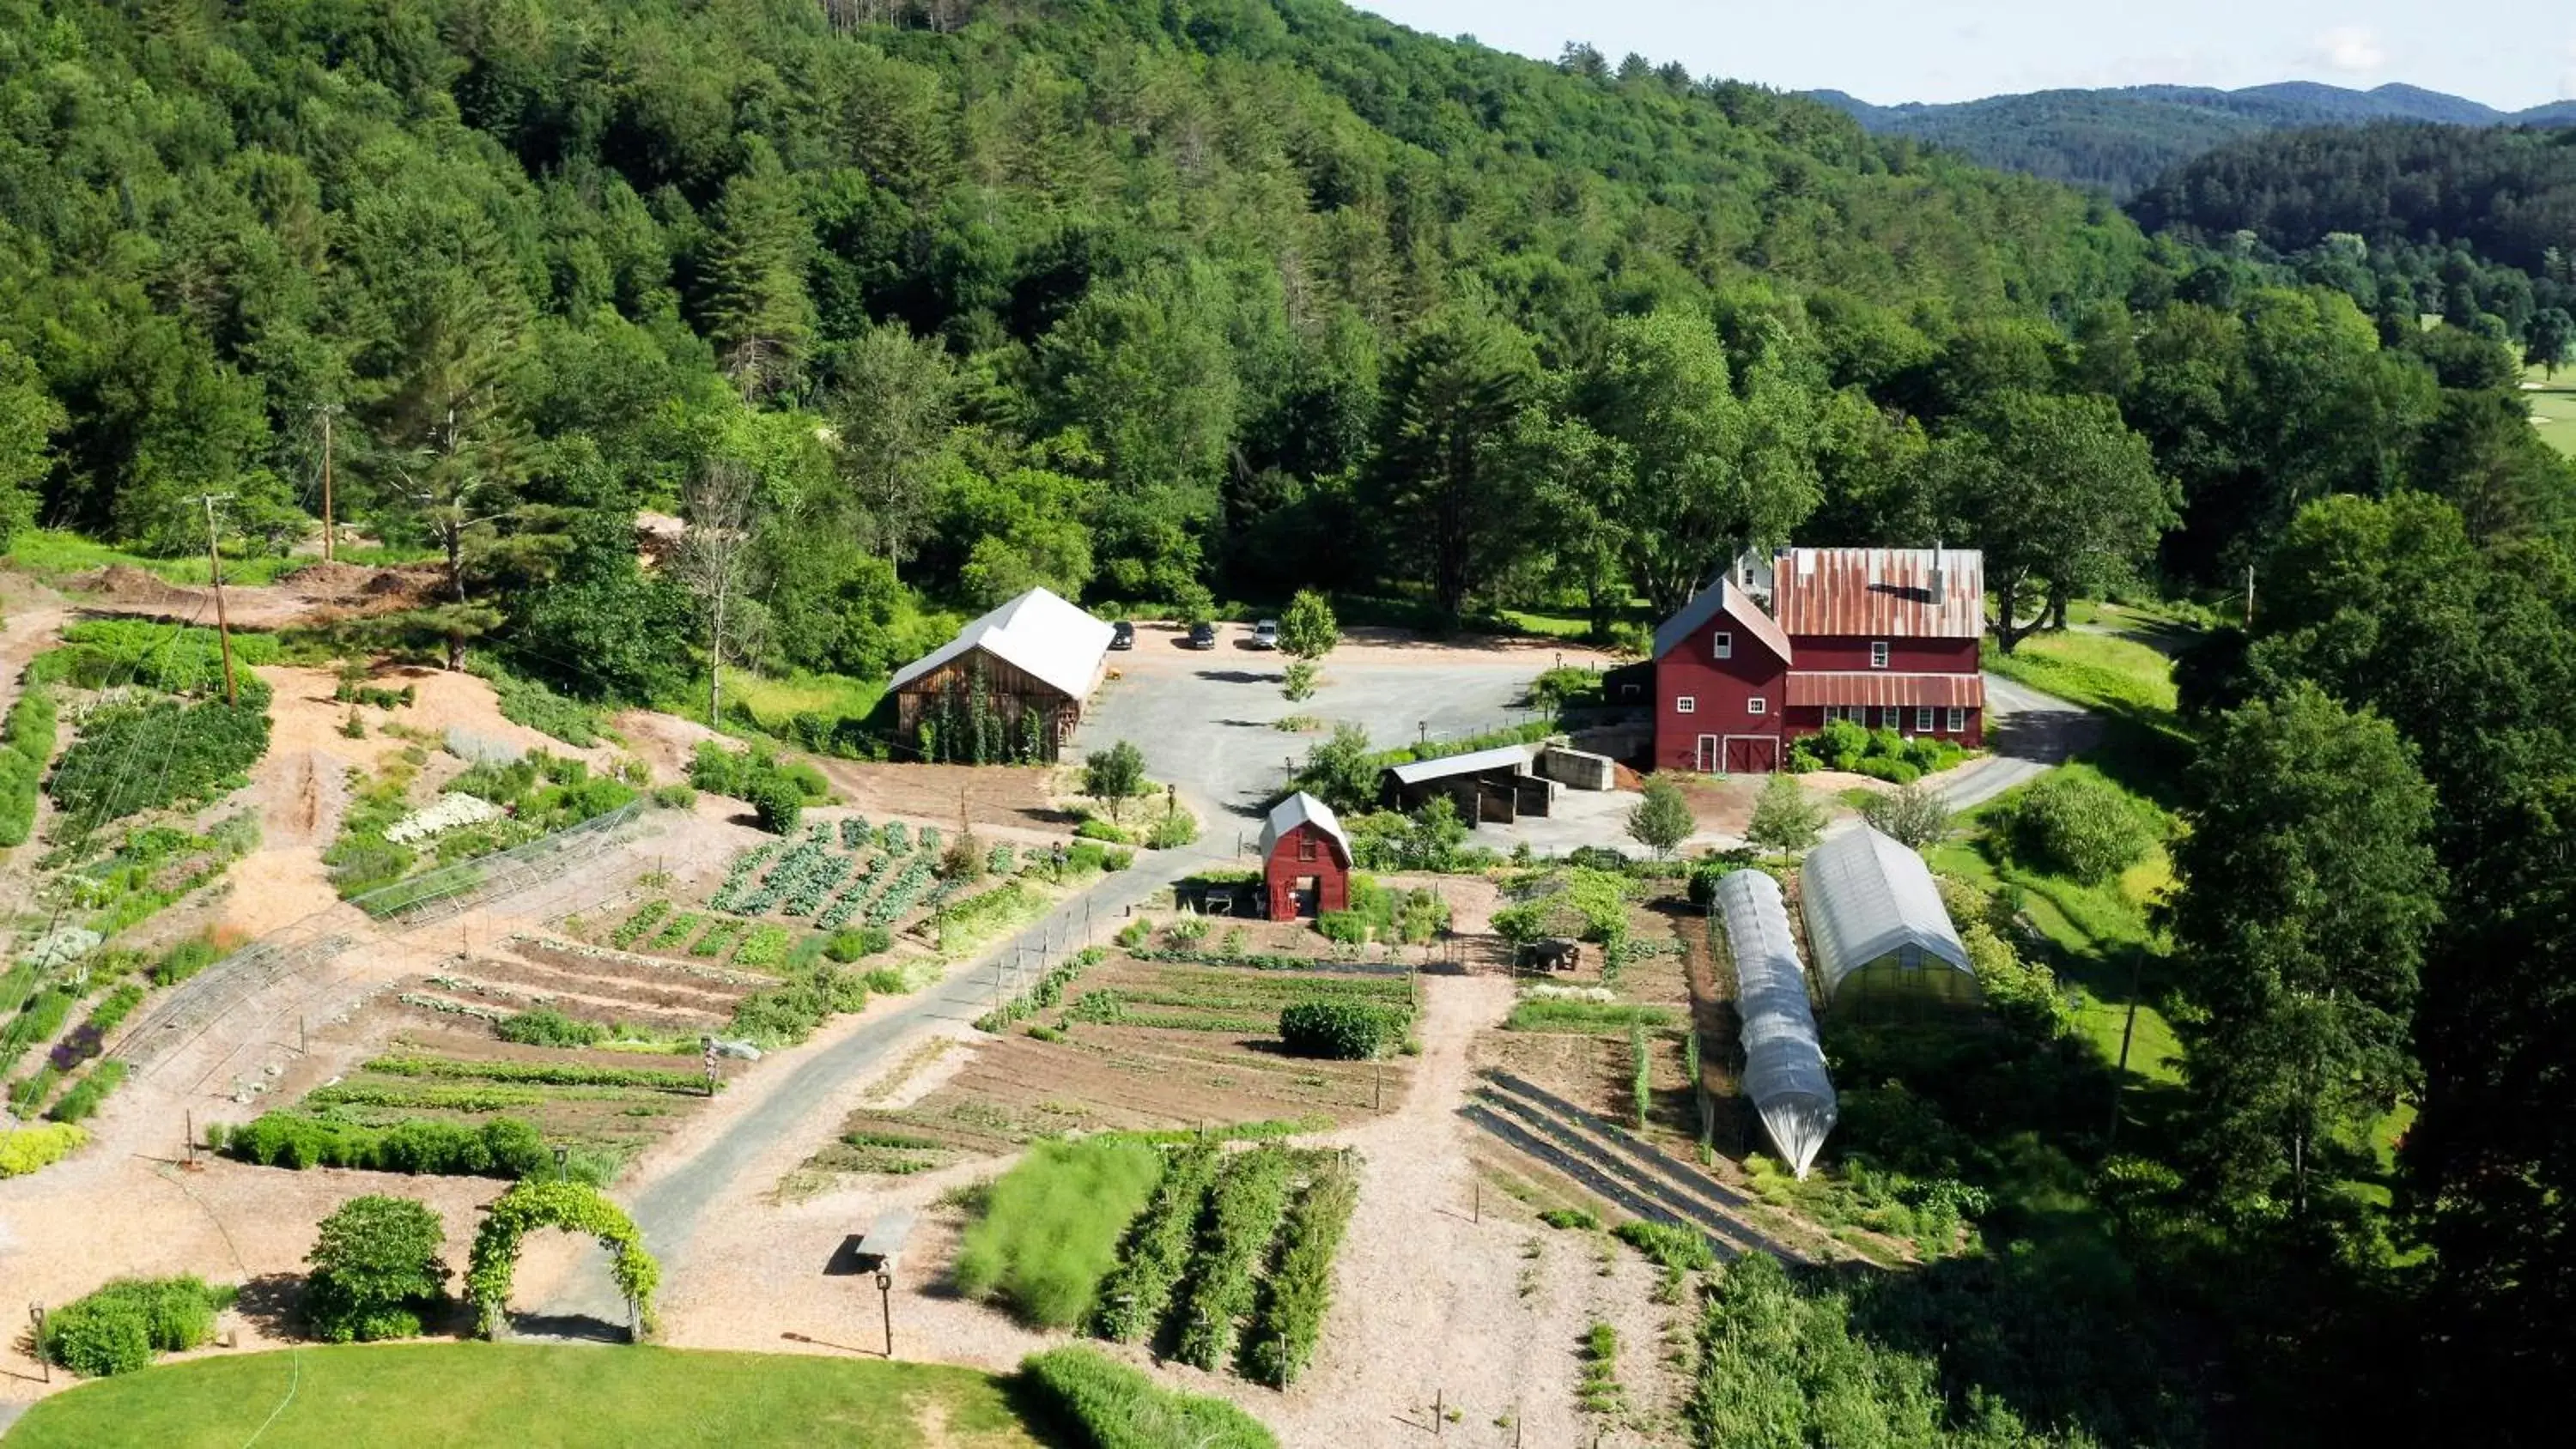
327, 412
215, 573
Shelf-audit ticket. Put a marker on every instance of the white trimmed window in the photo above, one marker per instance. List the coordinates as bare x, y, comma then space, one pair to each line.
1686, 704
1757, 705
1958, 720
1878, 654
1923, 719
1722, 645
1891, 716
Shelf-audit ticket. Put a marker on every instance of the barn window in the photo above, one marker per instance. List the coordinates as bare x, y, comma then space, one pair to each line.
1757, 705
1724, 645
1305, 847
1923, 719
1958, 720
1891, 716
1686, 704
1878, 654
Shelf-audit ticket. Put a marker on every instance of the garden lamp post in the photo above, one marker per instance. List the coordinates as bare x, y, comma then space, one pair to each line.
563, 1163
36, 1315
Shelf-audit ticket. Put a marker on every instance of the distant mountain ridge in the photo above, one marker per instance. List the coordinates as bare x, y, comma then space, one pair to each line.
2122, 138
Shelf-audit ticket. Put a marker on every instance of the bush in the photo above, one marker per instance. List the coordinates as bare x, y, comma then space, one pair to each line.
1346, 928
121, 1326
1667, 1246
777, 803
1050, 1229
848, 946
1173, 831
1339, 1030
2074, 823
375, 1265
1571, 1218
502, 1147
545, 1026
676, 797
1300, 1287
1097, 829
1104, 1404
24, 1149
83, 1100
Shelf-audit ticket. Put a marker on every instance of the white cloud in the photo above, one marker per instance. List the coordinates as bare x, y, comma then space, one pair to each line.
2351, 50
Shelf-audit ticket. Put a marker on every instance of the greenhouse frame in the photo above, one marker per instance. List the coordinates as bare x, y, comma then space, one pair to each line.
1784, 1063
1881, 936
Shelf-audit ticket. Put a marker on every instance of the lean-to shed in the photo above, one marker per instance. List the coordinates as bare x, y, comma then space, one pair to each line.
1784, 1064
1878, 928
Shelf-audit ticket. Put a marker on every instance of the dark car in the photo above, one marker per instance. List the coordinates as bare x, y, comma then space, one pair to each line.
1122, 635
1203, 636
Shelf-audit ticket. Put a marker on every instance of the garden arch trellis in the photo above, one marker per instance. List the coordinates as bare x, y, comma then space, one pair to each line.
576, 1208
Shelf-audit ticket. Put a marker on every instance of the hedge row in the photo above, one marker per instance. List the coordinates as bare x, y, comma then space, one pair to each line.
1348, 1031
1104, 1404
547, 1074
121, 1326
502, 1147
1243, 1214
1300, 1287
1134, 1296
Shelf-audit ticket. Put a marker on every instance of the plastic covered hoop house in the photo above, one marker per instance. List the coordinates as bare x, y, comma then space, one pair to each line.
1784, 1065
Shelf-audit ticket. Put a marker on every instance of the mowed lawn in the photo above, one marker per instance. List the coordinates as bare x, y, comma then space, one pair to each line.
2553, 407
527, 1396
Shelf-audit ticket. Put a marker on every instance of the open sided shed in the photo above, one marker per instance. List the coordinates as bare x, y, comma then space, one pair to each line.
1485, 785
1010, 686
1878, 928
1784, 1063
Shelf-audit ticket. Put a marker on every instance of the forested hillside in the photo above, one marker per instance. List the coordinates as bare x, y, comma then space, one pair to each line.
1109, 296
2125, 138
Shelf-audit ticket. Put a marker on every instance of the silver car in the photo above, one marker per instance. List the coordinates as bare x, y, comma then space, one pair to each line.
1265, 635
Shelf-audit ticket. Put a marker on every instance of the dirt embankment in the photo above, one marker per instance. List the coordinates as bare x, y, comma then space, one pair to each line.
312, 596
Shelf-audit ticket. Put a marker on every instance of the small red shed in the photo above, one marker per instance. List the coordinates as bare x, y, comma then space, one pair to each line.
1305, 859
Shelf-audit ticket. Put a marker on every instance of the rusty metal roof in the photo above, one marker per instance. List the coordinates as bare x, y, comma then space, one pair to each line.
1721, 596
1885, 593
1879, 687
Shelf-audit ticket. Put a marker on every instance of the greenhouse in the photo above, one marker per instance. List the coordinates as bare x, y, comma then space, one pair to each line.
1881, 936
1784, 1066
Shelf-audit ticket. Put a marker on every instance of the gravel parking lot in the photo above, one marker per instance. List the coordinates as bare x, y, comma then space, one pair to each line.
1207, 719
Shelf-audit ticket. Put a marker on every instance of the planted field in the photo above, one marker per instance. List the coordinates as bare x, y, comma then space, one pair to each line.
1185, 1047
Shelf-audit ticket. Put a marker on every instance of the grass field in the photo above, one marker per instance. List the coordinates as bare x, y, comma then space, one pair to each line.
2553, 407
526, 1396
52, 551
1049, 1231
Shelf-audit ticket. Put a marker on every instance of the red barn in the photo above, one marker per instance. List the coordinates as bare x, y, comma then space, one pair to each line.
1306, 860
1885, 637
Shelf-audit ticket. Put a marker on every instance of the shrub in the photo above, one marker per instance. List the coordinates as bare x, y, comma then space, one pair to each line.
1573, 1218
82, 1101
1173, 831
24, 1149
776, 803
848, 946
545, 1026
1243, 1213
1784, 818
1134, 1296
502, 1147
1049, 1232
183, 961
1667, 1246
1097, 829
2076, 824
1338, 1030
1107, 1405
1300, 1286
1912, 815
1346, 928
121, 1326
676, 797
375, 1264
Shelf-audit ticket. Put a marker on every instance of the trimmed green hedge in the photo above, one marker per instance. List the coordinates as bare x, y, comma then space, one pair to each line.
1347, 1031
1104, 1404
502, 1147
120, 1327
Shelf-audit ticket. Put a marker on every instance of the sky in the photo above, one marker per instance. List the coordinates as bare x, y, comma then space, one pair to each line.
2507, 53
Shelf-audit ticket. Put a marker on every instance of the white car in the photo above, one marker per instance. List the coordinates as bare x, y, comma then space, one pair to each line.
1265, 635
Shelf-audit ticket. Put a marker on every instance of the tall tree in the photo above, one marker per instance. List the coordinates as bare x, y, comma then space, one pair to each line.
28, 418
717, 557
892, 404
2306, 888
2060, 495
759, 312
2549, 341
1710, 472
1454, 508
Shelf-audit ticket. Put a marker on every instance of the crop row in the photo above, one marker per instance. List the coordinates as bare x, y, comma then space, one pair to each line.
738, 873
544, 1074
678, 931
718, 938
1136, 1293
1300, 1286
1048, 990
1243, 1214
847, 903
900, 892
803, 859
646, 917
1110, 1008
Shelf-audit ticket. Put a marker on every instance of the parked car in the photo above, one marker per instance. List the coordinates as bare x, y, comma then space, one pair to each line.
1122, 635
1203, 636
1265, 635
